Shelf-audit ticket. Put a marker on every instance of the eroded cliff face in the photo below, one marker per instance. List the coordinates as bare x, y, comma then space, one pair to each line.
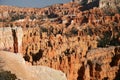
110, 6
83, 43
11, 39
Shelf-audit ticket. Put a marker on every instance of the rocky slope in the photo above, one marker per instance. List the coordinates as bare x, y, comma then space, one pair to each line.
109, 6
81, 41
16, 64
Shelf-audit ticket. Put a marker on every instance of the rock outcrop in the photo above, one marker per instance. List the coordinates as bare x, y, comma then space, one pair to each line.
81, 41
11, 39
103, 66
16, 64
110, 6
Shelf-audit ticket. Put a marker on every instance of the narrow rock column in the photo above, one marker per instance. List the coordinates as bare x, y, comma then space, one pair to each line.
19, 33
87, 73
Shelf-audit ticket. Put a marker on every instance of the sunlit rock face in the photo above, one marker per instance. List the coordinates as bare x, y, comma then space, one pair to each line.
110, 6
108, 3
15, 64
11, 39
80, 40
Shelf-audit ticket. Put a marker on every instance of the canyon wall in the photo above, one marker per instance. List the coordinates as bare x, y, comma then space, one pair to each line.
78, 57
11, 39
81, 42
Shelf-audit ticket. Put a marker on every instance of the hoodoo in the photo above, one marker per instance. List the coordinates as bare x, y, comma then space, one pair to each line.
79, 39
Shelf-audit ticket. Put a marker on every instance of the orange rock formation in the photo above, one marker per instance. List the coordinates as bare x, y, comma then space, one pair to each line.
83, 43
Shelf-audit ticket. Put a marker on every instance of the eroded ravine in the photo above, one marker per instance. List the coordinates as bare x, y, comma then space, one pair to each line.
84, 44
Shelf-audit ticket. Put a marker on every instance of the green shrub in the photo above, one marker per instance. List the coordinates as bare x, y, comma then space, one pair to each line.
7, 75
